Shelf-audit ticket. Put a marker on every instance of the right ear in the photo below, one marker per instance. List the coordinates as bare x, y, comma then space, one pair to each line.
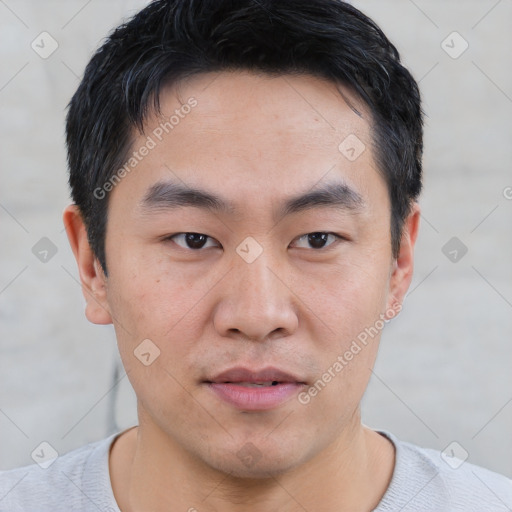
92, 277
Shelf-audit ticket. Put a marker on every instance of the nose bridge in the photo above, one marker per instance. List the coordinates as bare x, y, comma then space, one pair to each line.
258, 284
256, 301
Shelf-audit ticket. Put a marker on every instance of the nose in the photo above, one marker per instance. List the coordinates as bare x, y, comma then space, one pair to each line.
256, 302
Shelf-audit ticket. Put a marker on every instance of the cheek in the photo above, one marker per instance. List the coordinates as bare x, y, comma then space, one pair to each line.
351, 302
146, 297
352, 296
149, 302
155, 323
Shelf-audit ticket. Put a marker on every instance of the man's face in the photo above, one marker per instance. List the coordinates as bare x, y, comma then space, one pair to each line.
255, 292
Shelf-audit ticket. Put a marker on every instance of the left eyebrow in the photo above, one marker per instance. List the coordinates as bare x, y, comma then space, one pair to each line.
168, 195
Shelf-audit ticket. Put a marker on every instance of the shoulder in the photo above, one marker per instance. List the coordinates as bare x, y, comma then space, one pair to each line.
428, 480
77, 480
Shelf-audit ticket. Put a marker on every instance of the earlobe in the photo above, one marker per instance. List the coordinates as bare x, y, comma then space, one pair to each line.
92, 277
403, 265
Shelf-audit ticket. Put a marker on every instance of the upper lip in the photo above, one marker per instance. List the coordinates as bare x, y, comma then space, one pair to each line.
268, 374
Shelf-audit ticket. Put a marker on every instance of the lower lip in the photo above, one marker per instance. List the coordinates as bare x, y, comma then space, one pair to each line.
255, 398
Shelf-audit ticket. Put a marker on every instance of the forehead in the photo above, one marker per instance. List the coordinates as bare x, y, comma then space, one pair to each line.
256, 136
248, 102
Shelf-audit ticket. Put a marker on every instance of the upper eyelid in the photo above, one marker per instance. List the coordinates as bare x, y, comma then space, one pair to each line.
188, 233
338, 237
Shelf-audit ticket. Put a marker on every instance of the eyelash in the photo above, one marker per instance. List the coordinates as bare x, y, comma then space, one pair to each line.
338, 238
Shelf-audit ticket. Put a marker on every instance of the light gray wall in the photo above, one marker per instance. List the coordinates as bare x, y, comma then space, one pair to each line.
444, 372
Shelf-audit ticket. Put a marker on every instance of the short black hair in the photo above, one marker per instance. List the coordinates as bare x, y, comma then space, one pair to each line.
170, 40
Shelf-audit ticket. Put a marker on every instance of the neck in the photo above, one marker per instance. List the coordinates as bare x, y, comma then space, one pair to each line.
151, 472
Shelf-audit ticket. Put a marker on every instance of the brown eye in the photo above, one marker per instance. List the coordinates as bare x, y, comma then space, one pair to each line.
194, 241
318, 239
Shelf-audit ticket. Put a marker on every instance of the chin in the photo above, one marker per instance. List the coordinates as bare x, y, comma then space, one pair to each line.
264, 469
257, 460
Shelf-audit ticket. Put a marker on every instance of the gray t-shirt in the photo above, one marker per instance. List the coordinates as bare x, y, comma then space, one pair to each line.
422, 482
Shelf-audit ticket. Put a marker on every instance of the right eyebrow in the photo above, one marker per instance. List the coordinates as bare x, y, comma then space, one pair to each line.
166, 195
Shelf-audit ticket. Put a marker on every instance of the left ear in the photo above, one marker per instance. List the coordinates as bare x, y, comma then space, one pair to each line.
92, 277
403, 265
